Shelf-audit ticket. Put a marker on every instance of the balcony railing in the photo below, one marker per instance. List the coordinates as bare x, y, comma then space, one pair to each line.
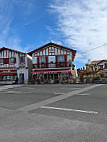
52, 65
2, 66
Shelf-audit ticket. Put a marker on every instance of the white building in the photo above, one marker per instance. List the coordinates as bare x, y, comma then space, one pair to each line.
15, 66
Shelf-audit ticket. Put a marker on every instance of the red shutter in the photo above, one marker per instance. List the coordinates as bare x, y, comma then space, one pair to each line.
56, 61
6, 60
65, 60
14, 60
46, 61
37, 62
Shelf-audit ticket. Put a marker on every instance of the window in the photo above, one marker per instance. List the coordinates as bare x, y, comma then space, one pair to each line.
42, 60
22, 59
1, 61
61, 61
60, 58
106, 65
11, 60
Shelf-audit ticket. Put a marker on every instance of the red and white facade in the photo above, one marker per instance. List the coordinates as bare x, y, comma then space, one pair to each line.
15, 66
52, 61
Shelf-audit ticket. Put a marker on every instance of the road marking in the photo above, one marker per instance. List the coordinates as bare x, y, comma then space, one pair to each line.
67, 109
75, 88
71, 88
17, 92
58, 93
30, 88
87, 94
9, 87
56, 98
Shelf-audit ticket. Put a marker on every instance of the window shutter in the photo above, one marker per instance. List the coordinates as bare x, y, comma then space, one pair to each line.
14, 60
65, 60
37, 62
46, 61
6, 60
56, 61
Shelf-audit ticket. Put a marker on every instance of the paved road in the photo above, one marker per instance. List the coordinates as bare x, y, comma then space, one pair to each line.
54, 113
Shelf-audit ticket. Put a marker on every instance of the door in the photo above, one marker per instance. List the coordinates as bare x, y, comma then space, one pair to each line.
56, 78
21, 78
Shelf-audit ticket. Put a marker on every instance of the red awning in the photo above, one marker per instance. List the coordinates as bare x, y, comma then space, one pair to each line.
8, 73
51, 71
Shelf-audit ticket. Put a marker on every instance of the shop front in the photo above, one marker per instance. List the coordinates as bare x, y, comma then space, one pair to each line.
52, 76
8, 77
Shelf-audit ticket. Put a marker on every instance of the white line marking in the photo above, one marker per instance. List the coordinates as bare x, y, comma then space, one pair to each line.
12, 92
75, 88
56, 98
71, 88
58, 93
67, 109
9, 87
83, 94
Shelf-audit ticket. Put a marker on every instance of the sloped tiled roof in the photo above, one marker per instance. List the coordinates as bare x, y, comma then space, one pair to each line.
5, 48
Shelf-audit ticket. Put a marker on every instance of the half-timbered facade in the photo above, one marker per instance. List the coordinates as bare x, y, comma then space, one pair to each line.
15, 66
52, 62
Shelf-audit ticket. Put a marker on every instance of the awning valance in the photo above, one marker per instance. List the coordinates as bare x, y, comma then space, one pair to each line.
8, 73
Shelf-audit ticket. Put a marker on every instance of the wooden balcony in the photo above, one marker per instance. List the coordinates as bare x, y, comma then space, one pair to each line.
52, 65
4, 66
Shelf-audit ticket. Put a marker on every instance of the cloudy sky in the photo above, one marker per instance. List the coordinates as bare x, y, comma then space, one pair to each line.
78, 24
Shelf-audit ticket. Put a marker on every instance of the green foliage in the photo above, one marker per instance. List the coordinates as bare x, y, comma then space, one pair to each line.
97, 78
101, 74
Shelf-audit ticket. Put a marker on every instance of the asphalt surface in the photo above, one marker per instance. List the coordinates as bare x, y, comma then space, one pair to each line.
56, 113
14, 98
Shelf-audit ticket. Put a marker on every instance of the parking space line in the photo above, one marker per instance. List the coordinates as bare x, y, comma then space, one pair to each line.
87, 94
56, 98
67, 109
58, 93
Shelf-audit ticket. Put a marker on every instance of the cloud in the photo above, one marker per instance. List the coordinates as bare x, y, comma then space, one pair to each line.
8, 12
84, 26
57, 42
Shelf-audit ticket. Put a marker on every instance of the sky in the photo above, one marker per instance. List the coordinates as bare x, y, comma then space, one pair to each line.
78, 24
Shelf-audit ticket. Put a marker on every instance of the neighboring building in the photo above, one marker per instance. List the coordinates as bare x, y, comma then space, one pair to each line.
52, 62
96, 66
93, 69
15, 66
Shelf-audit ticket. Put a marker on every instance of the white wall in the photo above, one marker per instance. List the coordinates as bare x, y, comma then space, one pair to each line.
25, 72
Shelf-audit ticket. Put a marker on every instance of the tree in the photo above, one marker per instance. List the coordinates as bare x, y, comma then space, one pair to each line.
101, 74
